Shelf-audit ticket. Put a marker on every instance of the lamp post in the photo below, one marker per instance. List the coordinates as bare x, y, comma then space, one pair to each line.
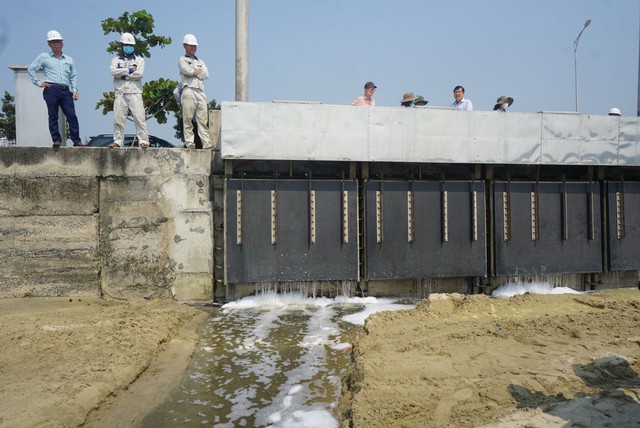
575, 58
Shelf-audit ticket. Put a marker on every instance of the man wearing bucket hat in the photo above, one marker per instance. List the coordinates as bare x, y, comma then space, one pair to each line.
407, 99
127, 70
502, 103
367, 98
59, 87
420, 101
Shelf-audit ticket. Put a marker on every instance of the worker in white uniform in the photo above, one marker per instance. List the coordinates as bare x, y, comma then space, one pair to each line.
193, 72
127, 70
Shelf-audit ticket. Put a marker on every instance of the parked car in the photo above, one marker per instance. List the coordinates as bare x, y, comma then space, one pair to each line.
103, 140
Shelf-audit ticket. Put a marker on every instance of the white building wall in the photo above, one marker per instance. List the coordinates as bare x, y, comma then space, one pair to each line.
32, 123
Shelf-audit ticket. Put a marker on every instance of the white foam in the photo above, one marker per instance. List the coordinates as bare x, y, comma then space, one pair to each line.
343, 346
518, 288
371, 307
309, 419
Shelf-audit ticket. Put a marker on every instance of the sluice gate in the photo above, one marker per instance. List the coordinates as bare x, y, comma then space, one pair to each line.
316, 193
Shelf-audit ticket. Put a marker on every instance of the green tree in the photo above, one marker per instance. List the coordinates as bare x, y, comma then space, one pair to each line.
213, 105
157, 94
8, 117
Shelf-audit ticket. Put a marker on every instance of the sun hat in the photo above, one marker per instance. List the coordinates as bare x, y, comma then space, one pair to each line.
408, 96
504, 99
370, 85
420, 99
614, 112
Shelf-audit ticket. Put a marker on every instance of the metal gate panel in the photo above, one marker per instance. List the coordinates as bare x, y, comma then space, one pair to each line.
290, 230
424, 229
547, 227
623, 201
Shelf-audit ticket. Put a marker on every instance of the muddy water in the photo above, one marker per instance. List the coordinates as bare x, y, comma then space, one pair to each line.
270, 360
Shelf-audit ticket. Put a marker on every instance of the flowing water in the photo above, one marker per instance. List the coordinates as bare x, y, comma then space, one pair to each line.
273, 360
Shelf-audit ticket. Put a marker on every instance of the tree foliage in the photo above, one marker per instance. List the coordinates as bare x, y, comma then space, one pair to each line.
156, 94
8, 117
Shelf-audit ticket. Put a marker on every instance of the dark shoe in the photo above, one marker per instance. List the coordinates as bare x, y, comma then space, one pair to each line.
56, 144
78, 144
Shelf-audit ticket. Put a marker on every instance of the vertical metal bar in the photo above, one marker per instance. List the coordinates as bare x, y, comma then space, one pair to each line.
312, 216
411, 220
378, 216
274, 217
345, 216
380, 211
239, 217
534, 217
444, 211
564, 210
535, 211
591, 231
620, 218
474, 211
506, 208
344, 208
274, 213
312, 211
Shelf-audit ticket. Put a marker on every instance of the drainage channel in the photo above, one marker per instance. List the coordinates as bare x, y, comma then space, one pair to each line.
273, 360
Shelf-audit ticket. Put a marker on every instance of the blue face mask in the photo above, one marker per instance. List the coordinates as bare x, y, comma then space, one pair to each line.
128, 49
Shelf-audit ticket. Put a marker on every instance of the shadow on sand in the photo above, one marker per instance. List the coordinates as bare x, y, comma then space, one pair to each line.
616, 404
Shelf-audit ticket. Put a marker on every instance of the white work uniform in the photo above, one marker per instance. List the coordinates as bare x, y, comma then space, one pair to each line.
128, 86
194, 100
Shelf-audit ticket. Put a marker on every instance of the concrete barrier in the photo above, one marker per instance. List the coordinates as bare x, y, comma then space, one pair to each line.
124, 223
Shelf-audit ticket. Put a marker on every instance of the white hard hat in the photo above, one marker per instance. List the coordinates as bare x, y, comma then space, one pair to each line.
127, 39
614, 112
53, 35
190, 39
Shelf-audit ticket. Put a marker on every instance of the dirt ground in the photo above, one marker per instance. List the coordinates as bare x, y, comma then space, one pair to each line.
63, 360
455, 361
473, 361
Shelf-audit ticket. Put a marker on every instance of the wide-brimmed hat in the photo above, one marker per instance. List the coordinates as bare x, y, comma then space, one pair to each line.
420, 99
504, 99
408, 96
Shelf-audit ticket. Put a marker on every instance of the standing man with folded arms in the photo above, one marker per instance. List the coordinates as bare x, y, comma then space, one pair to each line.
127, 70
193, 72
59, 87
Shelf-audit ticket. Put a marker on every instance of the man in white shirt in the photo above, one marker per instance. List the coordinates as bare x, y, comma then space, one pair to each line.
460, 102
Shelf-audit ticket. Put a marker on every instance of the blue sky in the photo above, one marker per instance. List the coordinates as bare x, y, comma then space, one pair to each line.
325, 50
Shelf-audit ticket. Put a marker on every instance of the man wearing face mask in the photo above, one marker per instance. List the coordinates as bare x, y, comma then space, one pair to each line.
127, 70
502, 103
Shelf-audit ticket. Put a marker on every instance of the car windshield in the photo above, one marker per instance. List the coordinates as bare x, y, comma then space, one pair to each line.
101, 140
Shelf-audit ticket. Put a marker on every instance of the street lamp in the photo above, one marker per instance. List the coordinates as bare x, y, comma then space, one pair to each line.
575, 58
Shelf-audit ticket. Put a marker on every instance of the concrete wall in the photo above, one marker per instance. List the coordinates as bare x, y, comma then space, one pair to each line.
124, 223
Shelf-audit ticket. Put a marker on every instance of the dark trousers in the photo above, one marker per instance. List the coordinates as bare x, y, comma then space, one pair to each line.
58, 97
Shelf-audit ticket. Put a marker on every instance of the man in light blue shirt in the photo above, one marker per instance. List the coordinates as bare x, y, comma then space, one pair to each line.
59, 87
460, 102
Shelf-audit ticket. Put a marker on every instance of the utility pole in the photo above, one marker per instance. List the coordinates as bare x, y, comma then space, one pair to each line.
575, 58
242, 50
